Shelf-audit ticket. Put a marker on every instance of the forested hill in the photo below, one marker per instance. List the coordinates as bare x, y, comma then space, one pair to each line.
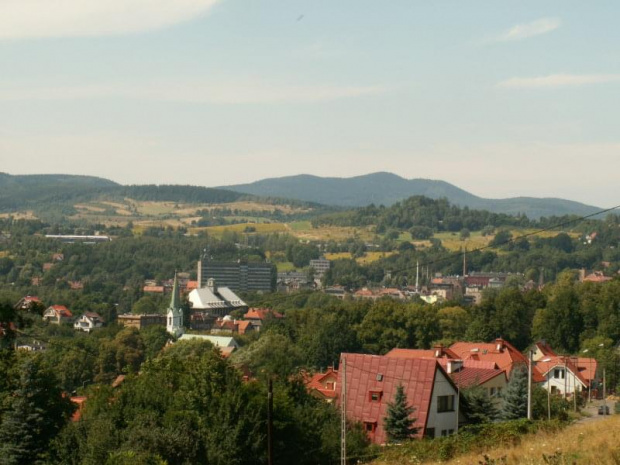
387, 189
40, 191
19, 191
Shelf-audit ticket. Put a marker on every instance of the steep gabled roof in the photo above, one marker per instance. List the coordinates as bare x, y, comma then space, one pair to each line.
261, 314
316, 383
561, 361
61, 310
362, 377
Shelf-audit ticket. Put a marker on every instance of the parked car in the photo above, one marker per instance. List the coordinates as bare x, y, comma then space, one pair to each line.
603, 410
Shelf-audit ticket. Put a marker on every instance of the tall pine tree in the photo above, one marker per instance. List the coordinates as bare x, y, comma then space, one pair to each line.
398, 422
515, 395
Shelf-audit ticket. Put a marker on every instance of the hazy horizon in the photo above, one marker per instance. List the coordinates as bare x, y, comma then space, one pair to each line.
501, 100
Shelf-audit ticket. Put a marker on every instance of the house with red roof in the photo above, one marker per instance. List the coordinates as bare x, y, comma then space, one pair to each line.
79, 402
27, 302
57, 314
323, 385
464, 373
258, 316
562, 375
501, 352
369, 383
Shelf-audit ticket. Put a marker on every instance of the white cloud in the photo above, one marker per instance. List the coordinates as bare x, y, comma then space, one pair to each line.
25, 19
558, 80
227, 92
527, 30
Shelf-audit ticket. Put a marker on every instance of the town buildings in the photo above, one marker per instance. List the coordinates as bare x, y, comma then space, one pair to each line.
238, 276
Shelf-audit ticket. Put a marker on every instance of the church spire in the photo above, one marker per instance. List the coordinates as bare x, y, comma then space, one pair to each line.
175, 300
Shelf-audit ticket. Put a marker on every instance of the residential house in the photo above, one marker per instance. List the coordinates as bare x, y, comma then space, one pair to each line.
88, 321
27, 303
336, 291
562, 376
141, 321
57, 314
323, 385
258, 316
371, 382
464, 373
500, 351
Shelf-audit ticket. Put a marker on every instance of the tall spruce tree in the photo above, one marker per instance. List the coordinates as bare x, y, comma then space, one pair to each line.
35, 413
515, 395
398, 422
478, 406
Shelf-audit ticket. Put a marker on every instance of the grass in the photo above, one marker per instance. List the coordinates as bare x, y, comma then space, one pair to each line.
595, 442
260, 228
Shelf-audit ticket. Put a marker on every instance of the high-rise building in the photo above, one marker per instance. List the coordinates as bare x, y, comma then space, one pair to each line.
238, 276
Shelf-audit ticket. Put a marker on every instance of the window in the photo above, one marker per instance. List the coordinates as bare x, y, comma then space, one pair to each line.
558, 373
445, 404
370, 426
330, 386
375, 396
492, 392
447, 432
429, 433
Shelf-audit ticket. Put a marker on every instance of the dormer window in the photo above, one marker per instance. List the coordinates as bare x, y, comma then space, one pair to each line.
375, 396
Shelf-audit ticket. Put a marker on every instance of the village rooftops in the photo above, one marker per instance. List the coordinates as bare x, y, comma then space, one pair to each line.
500, 351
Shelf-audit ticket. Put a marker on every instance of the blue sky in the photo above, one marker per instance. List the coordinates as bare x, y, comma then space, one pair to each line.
500, 98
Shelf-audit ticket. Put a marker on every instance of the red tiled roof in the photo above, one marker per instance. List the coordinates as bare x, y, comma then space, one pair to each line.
79, 401
243, 326
191, 285
561, 361
506, 358
62, 311
364, 293
154, 289
317, 383
416, 375
587, 368
420, 353
473, 372
261, 314
545, 349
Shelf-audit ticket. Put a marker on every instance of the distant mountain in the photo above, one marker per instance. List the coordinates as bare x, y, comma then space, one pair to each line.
53, 190
19, 191
387, 189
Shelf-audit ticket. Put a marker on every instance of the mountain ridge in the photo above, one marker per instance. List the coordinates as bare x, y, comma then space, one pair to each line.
383, 188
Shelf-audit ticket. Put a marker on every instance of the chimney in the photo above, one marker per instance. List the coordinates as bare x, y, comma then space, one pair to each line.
499, 345
438, 350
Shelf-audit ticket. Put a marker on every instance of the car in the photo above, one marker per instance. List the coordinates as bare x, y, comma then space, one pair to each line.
603, 410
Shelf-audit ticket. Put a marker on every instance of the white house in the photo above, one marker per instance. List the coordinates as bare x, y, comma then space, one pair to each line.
88, 321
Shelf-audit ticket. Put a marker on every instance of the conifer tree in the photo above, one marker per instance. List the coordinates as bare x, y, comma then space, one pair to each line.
398, 423
515, 395
478, 406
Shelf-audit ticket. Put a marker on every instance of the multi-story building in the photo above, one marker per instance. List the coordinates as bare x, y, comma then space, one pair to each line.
238, 276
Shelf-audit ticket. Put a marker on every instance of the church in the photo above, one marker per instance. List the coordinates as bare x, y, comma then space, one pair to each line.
174, 316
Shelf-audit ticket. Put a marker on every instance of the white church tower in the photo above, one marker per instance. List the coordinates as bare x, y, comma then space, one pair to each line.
174, 317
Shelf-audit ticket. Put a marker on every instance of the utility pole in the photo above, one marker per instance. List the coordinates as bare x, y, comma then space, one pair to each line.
604, 394
343, 408
270, 422
465, 262
417, 277
529, 385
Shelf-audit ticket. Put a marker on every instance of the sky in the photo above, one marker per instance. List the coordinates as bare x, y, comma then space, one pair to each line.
503, 99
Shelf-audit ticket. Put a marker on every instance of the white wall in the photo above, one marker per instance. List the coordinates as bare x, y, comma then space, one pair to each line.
562, 385
444, 420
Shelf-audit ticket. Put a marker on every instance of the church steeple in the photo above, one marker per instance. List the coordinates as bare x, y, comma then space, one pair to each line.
175, 300
174, 317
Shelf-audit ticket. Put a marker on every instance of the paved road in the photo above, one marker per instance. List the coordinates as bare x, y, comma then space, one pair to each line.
592, 410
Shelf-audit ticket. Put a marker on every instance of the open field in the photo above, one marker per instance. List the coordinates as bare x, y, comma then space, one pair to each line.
25, 215
304, 230
260, 228
586, 443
